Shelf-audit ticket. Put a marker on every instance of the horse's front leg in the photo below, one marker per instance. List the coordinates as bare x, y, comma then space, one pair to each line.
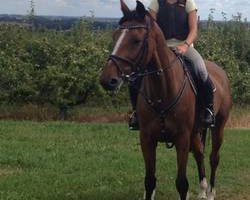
182, 148
198, 151
217, 139
148, 146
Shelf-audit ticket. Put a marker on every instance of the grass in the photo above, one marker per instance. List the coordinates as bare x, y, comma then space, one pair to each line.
72, 161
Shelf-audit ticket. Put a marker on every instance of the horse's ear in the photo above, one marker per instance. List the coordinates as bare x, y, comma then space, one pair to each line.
124, 8
140, 9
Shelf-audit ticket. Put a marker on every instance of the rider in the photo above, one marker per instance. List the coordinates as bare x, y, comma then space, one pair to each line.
178, 21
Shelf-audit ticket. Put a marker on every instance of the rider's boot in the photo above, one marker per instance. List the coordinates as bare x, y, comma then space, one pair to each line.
209, 118
133, 93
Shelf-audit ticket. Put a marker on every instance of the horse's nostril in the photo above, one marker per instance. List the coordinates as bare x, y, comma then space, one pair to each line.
114, 82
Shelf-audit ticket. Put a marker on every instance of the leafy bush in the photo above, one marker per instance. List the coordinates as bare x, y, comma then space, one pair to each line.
228, 44
57, 67
62, 67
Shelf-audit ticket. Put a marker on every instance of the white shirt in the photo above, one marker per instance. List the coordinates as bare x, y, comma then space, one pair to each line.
190, 6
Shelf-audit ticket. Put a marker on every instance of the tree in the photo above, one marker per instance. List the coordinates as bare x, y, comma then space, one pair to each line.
31, 14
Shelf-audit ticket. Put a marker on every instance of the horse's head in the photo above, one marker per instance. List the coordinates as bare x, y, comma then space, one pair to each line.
133, 47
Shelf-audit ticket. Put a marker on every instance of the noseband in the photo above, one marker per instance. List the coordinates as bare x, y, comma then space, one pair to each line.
137, 62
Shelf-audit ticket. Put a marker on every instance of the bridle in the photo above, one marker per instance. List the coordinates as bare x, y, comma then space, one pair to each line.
137, 63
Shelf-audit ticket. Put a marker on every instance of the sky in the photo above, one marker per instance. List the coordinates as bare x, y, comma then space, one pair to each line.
111, 8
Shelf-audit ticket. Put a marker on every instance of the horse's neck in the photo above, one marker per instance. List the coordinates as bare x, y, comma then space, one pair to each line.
166, 85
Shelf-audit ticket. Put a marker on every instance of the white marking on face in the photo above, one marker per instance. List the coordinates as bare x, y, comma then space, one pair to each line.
119, 41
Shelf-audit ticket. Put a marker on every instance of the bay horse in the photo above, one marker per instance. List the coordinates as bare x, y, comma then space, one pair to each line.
166, 104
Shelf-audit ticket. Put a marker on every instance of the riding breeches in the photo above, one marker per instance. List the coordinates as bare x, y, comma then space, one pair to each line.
199, 64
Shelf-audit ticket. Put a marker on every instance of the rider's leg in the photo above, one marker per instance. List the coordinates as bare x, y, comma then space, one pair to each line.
206, 85
133, 94
208, 100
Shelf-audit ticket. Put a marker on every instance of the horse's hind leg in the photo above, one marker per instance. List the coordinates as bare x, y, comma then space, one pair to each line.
198, 151
149, 153
182, 149
217, 139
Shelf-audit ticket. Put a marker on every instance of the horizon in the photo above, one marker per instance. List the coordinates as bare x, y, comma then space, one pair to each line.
111, 8
78, 17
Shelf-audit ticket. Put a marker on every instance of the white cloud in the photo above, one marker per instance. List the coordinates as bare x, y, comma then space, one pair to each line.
61, 3
111, 8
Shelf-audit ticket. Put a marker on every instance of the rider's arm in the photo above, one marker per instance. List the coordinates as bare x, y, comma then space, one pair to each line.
193, 27
192, 23
153, 8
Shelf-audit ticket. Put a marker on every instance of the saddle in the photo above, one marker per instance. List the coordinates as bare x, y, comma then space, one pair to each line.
193, 75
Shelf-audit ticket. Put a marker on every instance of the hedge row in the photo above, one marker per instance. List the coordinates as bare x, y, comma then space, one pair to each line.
62, 67
228, 44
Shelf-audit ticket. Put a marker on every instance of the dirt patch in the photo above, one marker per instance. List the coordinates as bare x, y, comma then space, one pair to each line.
239, 117
233, 121
6, 170
104, 118
239, 121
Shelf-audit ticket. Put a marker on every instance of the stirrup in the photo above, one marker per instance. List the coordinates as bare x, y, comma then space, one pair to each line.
209, 118
133, 122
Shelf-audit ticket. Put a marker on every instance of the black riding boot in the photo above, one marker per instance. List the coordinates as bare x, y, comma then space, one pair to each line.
209, 118
133, 93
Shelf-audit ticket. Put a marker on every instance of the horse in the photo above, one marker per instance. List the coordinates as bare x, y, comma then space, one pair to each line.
166, 105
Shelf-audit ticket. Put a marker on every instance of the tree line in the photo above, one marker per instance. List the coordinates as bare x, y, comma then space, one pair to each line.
62, 68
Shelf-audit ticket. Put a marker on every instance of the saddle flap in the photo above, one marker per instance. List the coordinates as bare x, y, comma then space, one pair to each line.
193, 75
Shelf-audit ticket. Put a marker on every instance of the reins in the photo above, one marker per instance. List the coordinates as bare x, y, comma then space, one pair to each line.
158, 71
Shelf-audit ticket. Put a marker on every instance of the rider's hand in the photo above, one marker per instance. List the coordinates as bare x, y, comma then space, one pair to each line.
182, 49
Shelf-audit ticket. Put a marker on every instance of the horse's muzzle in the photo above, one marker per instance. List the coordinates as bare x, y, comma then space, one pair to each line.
111, 84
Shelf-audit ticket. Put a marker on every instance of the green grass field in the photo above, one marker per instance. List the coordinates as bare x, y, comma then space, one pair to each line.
70, 161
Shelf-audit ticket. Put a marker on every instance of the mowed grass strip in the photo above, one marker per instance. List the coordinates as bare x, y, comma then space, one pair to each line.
72, 161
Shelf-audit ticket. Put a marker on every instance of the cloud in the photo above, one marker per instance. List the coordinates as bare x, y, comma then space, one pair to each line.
230, 7
61, 3
111, 8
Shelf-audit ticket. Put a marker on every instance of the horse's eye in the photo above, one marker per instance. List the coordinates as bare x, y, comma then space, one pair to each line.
136, 41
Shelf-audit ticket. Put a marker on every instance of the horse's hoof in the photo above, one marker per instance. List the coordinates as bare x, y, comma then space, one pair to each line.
202, 196
203, 190
210, 197
152, 196
187, 197
211, 193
